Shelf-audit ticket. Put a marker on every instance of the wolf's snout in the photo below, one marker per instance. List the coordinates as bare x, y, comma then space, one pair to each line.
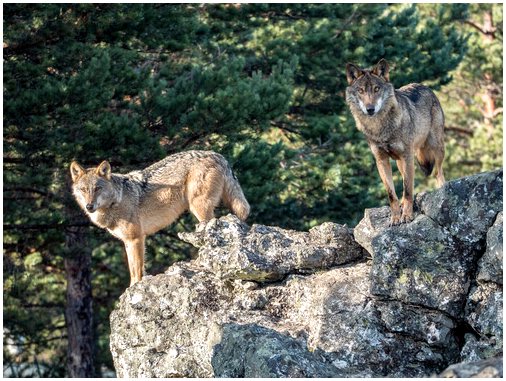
370, 109
90, 207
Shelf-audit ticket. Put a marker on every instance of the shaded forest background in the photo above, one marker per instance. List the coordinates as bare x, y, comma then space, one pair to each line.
261, 84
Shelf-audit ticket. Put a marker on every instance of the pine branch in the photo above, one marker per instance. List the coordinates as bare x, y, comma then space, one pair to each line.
476, 26
461, 130
284, 126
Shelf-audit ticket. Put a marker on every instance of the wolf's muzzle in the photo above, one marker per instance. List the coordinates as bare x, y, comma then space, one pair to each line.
90, 208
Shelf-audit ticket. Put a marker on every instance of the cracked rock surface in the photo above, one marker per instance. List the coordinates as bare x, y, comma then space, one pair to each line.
261, 301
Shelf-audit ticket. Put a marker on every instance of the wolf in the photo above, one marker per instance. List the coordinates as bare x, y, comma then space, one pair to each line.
400, 124
137, 204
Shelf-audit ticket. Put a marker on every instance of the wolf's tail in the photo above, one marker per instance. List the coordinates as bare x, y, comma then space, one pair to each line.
233, 196
425, 162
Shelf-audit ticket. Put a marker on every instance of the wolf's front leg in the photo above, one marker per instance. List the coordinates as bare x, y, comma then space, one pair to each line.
407, 168
385, 172
135, 253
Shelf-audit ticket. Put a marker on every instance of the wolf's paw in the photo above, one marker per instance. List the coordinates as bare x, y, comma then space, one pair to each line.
407, 211
200, 226
396, 212
395, 219
407, 217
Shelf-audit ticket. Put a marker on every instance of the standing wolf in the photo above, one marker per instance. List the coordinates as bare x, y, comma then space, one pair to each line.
399, 124
140, 203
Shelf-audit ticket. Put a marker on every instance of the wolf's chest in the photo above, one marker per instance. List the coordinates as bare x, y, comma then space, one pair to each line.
393, 149
103, 220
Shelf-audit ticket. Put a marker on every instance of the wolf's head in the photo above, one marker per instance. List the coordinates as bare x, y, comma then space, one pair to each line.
92, 187
369, 89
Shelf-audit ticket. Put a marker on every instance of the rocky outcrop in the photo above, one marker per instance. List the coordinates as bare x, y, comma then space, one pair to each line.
263, 301
490, 368
233, 250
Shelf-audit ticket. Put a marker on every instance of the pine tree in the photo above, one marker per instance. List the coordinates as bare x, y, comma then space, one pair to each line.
473, 102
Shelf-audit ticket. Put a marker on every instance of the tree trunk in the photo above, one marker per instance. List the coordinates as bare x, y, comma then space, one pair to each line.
489, 28
78, 309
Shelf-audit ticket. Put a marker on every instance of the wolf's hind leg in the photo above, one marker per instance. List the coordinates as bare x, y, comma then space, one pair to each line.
440, 177
431, 156
205, 187
202, 208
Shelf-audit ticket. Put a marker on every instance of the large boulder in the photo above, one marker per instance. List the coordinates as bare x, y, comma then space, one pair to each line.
489, 368
466, 207
490, 267
190, 323
263, 301
234, 250
484, 307
431, 261
421, 264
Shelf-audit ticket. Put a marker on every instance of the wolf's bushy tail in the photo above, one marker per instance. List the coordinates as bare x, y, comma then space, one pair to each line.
233, 196
426, 165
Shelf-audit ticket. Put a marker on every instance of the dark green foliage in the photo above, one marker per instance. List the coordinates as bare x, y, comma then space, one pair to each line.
263, 84
473, 102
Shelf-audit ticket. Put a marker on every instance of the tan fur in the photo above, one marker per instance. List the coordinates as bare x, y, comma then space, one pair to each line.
399, 124
140, 203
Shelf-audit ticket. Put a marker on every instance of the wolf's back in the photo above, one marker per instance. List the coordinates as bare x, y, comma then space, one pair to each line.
174, 170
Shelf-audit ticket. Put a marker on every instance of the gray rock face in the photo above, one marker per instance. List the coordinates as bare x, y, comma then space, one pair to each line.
251, 350
263, 301
490, 368
419, 263
431, 261
490, 265
374, 222
484, 307
189, 323
466, 207
232, 250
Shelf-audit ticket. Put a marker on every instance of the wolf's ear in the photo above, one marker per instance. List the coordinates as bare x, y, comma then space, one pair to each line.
76, 171
104, 169
381, 69
353, 72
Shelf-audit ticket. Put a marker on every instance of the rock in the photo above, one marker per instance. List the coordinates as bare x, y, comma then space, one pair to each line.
484, 309
263, 301
484, 313
490, 265
374, 222
231, 249
250, 350
477, 348
432, 327
430, 262
190, 323
490, 368
466, 207
421, 264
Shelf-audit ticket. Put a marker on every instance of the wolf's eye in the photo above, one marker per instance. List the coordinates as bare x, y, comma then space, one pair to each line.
376, 89
361, 91
97, 188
